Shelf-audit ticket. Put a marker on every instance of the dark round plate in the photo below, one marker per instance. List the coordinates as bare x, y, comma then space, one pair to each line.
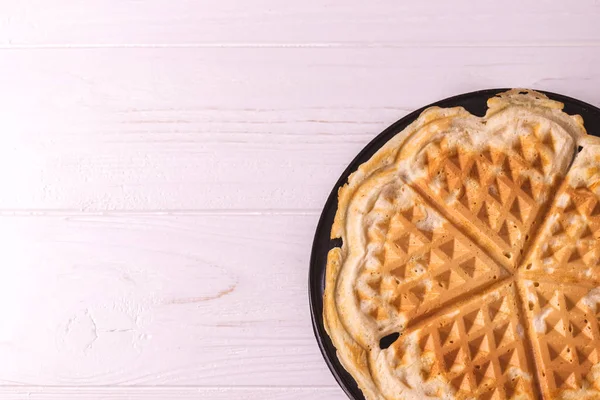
475, 103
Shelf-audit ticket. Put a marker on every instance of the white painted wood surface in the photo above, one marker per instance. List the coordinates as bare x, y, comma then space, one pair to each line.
163, 164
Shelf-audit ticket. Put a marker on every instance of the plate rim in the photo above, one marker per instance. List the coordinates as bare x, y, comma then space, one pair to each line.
317, 267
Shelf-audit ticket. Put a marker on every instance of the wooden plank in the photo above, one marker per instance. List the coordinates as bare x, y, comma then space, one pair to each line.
266, 129
312, 22
157, 300
161, 393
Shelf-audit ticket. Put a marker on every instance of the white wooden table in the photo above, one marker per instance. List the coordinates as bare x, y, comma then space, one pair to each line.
163, 165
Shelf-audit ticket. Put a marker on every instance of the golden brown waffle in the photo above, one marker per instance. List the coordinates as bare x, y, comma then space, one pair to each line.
476, 243
497, 188
563, 328
478, 348
568, 246
417, 260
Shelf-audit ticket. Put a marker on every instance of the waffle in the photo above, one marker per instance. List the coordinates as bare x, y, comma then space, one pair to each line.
470, 258
564, 332
568, 246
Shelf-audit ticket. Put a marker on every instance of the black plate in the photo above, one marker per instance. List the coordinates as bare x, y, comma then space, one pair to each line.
475, 103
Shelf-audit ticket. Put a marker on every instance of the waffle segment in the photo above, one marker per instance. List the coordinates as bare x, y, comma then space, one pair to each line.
563, 325
568, 246
473, 351
418, 260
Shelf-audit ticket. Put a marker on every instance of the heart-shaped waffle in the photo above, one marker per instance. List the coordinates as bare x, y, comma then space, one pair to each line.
472, 244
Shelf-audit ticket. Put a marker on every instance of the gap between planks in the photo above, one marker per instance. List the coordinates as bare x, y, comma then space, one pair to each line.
172, 392
166, 387
159, 212
292, 45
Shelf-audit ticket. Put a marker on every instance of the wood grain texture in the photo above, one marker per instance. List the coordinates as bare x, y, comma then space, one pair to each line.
138, 300
174, 300
163, 393
220, 129
311, 22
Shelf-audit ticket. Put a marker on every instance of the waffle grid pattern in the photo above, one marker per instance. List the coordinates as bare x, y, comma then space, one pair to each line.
567, 340
480, 348
571, 236
500, 204
418, 269
483, 349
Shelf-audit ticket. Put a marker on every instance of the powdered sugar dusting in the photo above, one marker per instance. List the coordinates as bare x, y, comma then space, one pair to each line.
539, 320
431, 222
407, 377
562, 200
592, 299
